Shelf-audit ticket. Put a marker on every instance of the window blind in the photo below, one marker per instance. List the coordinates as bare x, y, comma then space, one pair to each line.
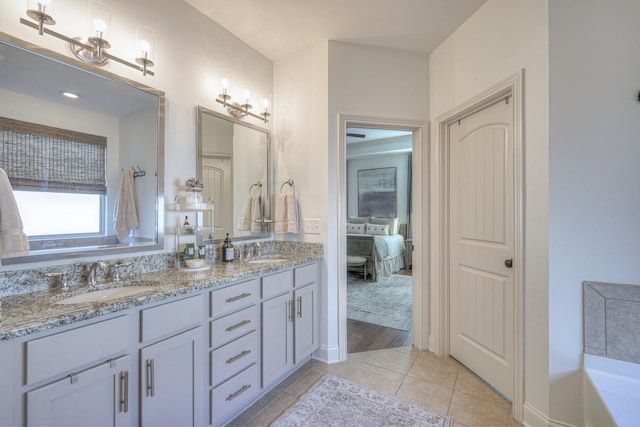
45, 158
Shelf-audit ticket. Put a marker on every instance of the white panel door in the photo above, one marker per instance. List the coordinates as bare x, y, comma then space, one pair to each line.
216, 178
481, 243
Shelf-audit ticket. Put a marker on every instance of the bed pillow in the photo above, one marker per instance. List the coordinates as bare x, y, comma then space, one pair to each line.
394, 223
377, 229
357, 220
355, 228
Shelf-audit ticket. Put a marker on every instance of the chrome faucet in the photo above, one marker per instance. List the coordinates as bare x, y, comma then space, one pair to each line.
258, 249
91, 279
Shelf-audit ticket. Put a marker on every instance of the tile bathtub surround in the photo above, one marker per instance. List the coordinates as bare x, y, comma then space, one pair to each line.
34, 279
612, 320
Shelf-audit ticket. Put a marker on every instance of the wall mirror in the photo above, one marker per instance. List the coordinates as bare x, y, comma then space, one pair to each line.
48, 148
233, 163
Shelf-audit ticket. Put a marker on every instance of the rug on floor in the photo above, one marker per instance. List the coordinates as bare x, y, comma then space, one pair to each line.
333, 401
387, 302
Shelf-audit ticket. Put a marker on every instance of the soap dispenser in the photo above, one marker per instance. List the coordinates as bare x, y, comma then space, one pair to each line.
227, 250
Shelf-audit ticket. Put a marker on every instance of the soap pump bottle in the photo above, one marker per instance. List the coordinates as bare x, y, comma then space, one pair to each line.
227, 250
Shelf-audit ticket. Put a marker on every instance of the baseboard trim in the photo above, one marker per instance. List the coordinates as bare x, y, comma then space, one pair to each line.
327, 354
534, 418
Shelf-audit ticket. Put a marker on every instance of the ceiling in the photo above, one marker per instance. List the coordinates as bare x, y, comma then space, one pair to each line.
278, 28
368, 135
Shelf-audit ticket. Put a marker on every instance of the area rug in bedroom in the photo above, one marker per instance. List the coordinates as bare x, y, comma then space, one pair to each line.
333, 401
387, 302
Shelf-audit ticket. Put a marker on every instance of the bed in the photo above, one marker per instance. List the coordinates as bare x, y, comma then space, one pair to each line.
379, 241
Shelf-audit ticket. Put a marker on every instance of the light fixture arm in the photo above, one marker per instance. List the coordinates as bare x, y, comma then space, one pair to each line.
240, 110
96, 44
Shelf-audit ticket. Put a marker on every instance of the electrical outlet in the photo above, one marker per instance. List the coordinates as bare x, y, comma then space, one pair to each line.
240, 221
313, 226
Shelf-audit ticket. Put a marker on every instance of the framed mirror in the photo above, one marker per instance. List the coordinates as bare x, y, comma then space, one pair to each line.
66, 157
234, 164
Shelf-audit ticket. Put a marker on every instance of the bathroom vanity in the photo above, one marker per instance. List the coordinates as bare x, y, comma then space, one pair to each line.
186, 348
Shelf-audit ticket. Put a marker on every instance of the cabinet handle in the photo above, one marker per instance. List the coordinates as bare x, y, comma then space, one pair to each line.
300, 306
151, 388
124, 391
238, 325
291, 310
238, 356
239, 392
239, 297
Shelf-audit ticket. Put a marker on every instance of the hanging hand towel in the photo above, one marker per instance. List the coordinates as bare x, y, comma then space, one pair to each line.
252, 213
13, 240
125, 216
286, 213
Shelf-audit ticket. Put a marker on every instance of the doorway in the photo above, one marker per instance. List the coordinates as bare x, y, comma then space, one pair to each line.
379, 238
417, 131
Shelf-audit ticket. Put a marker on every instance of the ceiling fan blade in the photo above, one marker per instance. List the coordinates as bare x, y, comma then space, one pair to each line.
356, 135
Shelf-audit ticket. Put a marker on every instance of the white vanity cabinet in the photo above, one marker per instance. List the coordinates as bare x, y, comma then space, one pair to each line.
95, 395
98, 396
171, 370
289, 320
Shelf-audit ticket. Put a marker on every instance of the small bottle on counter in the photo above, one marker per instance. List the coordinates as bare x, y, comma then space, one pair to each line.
227, 250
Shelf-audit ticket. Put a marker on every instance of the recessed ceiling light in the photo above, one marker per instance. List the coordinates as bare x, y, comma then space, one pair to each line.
71, 95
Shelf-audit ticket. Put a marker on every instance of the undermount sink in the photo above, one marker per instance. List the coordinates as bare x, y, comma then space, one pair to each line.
266, 260
105, 295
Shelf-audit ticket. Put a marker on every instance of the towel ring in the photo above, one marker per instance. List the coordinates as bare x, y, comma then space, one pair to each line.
290, 182
257, 184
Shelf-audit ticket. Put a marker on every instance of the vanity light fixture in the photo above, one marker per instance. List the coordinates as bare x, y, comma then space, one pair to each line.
93, 49
240, 111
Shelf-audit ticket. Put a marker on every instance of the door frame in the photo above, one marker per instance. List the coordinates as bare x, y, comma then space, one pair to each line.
420, 229
511, 89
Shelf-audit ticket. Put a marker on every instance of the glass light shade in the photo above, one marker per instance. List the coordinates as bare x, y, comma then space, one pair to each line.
100, 18
145, 41
245, 90
46, 6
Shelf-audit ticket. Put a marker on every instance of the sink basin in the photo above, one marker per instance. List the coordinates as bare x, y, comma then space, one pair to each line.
266, 260
105, 294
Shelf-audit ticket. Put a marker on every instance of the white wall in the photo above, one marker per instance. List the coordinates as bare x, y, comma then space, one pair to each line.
500, 39
594, 78
191, 52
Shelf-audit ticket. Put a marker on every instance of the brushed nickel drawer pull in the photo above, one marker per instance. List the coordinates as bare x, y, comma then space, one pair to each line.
291, 311
299, 306
239, 392
238, 356
238, 325
150, 380
124, 391
239, 297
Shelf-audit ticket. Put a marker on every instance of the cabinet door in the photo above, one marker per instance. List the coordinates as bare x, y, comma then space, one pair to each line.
306, 321
96, 397
172, 381
277, 337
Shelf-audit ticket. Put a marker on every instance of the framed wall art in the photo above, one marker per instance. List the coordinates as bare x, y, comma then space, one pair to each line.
377, 193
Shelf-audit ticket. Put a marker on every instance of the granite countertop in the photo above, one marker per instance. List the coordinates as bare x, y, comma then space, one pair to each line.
33, 312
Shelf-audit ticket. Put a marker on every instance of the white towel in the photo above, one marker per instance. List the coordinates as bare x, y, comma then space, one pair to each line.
13, 241
286, 213
252, 213
125, 216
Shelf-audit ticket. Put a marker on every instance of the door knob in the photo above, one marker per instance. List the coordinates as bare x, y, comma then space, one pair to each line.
508, 263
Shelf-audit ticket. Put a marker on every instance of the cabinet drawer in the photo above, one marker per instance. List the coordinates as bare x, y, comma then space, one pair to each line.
233, 326
306, 274
277, 283
228, 300
232, 394
72, 349
232, 358
172, 317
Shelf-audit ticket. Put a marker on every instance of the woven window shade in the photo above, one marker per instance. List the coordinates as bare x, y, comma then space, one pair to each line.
45, 158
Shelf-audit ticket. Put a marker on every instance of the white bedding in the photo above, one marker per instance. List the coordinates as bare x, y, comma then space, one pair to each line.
389, 254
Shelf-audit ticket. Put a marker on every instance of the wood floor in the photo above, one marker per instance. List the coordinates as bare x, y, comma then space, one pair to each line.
362, 336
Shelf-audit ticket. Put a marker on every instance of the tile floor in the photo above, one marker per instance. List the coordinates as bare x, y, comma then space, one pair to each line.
439, 384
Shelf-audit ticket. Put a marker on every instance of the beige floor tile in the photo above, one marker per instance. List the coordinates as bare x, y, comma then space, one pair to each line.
406, 349
343, 369
302, 385
379, 379
273, 411
393, 360
469, 383
434, 397
434, 371
474, 411
362, 357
